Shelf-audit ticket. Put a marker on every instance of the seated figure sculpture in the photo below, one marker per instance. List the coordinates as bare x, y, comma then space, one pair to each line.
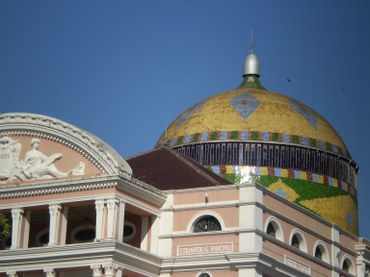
36, 165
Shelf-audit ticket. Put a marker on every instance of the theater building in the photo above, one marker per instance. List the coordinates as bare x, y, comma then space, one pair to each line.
247, 182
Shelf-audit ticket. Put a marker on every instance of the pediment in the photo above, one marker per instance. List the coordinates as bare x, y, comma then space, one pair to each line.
35, 148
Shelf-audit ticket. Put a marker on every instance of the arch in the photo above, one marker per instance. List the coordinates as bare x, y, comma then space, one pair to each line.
205, 215
321, 252
85, 232
204, 273
129, 231
298, 240
273, 228
88, 145
348, 265
42, 237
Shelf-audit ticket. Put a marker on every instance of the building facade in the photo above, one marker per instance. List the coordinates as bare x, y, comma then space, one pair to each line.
245, 183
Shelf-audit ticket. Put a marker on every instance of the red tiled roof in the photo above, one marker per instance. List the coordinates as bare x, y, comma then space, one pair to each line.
165, 169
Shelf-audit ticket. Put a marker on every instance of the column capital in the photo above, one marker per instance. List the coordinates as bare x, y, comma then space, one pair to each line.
17, 212
110, 269
112, 202
54, 208
97, 270
12, 274
50, 272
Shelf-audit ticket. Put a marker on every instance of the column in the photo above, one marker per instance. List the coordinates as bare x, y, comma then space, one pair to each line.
335, 250
17, 215
154, 234
63, 227
50, 272
110, 270
12, 274
250, 218
121, 221
54, 211
99, 207
144, 233
97, 270
26, 232
112, 218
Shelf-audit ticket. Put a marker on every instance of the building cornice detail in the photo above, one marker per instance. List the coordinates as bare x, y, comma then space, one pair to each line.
132, 186
65, 186
89, 146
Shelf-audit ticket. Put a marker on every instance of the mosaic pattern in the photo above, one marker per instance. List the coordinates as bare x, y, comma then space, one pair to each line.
245, 104
305, 111
329, 198
241, 174
259, 136
328, 208
257, 112
192, 110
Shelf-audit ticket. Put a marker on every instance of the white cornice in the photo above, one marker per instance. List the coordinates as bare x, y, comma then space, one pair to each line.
139, 189
88, 145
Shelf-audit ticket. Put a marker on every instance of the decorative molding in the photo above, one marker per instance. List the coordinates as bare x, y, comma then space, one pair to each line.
39, 126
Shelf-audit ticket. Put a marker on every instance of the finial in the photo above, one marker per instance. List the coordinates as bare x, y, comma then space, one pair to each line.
251, 65
251, 71
251, 48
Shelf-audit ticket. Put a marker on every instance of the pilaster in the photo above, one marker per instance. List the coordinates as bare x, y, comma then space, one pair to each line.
54, 211
17, 216
99, 207
112, 218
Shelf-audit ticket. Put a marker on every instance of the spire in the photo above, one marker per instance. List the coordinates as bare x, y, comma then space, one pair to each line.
251, 65
251, 71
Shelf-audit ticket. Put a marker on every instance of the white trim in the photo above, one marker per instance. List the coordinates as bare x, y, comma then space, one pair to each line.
279, 233
325, 253
351, 267
204, 271
195, 218
302, 242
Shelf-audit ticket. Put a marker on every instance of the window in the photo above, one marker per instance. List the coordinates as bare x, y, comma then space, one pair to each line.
318, 253
206, 223
271, 230
347, 266
295, 242
321, 253
274, 229
298, 241
129, 231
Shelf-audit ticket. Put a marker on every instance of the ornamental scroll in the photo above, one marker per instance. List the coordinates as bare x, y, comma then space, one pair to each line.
35, 165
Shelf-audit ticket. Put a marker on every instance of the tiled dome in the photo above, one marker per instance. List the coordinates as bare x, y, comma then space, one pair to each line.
253, 114
254, 135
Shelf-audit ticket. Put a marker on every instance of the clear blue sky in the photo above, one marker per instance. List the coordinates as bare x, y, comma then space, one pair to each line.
122, 70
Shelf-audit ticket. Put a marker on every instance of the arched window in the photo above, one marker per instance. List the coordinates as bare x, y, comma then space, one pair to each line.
271, 230
347, 266
318, 253
321, 253
274, 229
295, 241
298, 241
206, 223
204, 274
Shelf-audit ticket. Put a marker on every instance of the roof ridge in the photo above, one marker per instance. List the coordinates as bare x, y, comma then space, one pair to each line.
142, 153
192, 163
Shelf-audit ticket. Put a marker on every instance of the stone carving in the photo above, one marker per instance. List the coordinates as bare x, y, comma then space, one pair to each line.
35, 165
9, 158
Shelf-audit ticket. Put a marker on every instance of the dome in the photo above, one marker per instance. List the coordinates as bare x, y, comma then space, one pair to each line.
253, 114
254, 135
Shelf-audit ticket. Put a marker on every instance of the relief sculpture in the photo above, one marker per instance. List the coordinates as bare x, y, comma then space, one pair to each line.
35, 165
